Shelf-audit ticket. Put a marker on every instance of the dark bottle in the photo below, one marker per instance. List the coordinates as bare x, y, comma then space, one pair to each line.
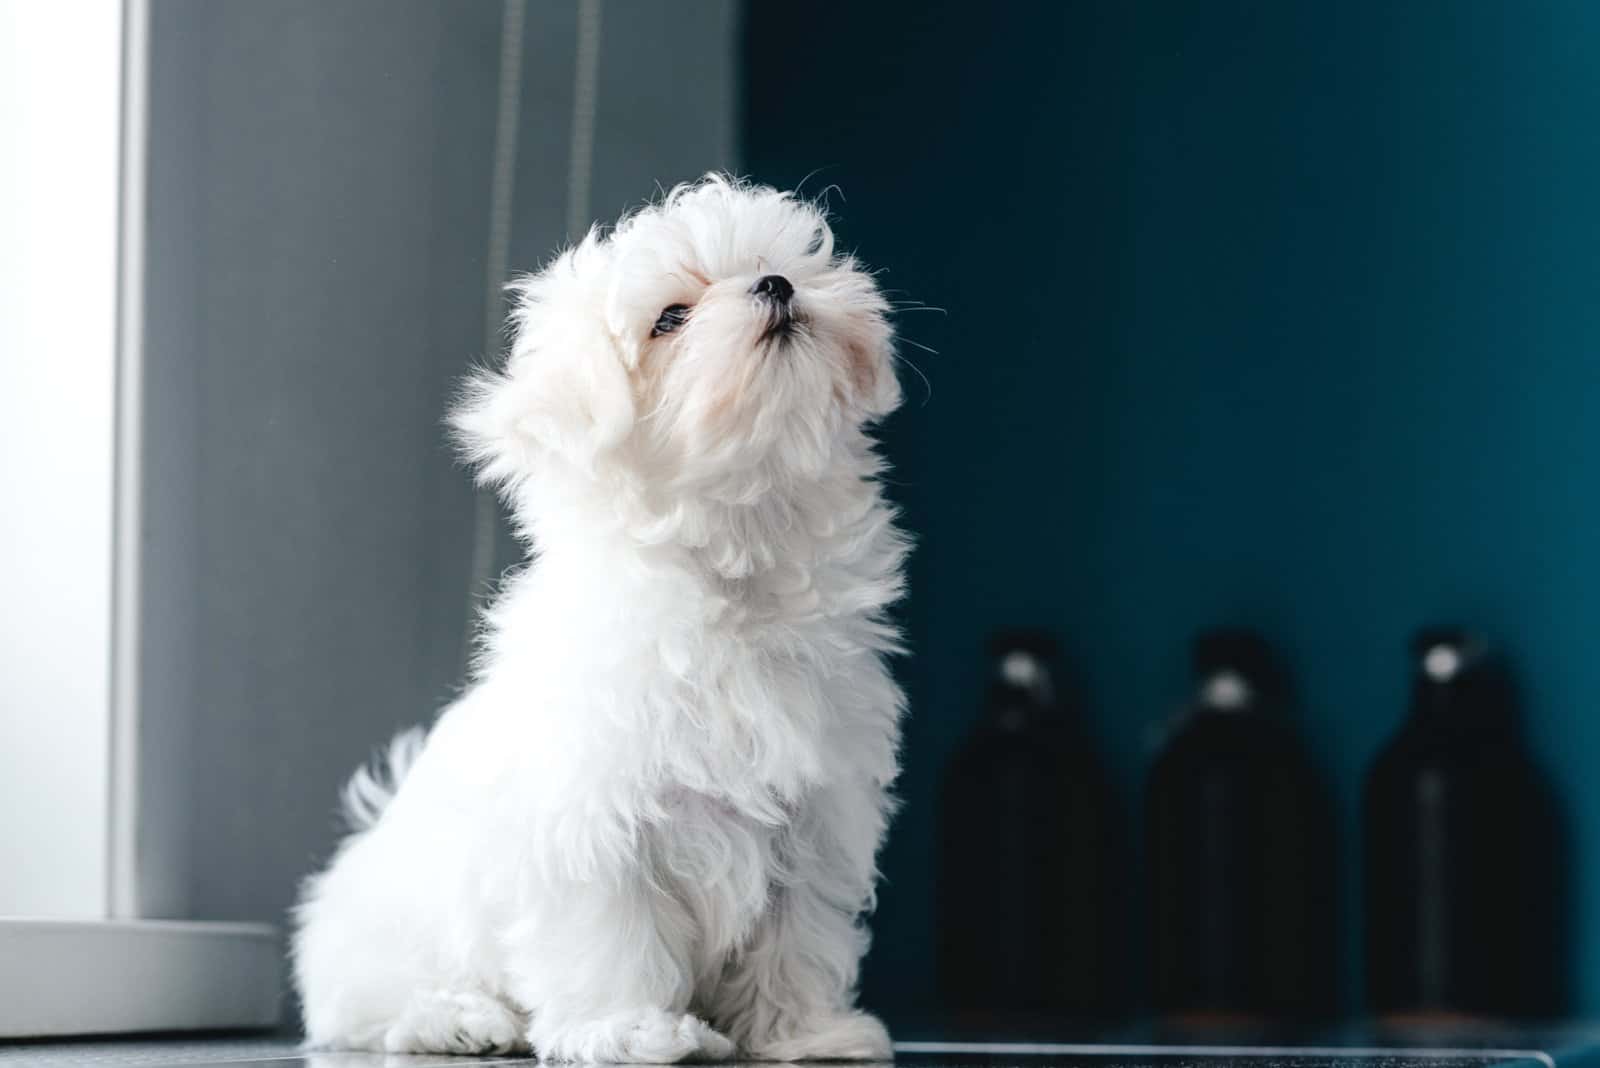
1240, 851
1464, 895
1027, 929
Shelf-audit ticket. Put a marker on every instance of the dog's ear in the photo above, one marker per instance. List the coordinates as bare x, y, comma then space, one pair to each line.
563, 395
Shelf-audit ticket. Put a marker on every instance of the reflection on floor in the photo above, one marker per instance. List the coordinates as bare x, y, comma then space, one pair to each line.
283, 1053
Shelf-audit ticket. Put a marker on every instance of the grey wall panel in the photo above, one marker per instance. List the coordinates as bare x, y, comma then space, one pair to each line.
168, 626
318, 213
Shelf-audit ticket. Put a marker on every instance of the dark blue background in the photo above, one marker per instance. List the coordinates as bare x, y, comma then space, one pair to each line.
1265, 313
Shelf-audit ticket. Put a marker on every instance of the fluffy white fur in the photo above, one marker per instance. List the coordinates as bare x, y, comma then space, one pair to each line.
647, 830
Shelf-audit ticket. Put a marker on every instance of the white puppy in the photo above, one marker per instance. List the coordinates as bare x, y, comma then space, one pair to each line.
647, 830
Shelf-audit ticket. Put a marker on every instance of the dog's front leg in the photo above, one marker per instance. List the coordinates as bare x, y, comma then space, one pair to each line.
789, 995
598, 960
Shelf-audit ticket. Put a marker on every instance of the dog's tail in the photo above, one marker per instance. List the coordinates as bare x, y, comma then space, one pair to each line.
373, 786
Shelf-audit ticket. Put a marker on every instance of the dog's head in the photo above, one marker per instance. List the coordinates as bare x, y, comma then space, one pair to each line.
711, 344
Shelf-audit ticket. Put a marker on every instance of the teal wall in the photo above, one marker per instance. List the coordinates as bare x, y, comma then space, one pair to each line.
1264, 313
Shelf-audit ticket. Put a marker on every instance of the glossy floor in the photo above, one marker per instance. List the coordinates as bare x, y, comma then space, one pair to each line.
245, 1053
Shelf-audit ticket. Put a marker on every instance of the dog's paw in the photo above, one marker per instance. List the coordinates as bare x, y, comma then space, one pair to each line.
644, 1036
853, 1036
443, 1021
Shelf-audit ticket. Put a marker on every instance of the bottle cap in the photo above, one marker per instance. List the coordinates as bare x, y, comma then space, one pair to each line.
1025, 658
1234, 669
1458, 681
1443, 653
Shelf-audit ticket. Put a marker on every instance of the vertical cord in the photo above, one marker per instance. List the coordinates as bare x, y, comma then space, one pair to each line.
502, 190
585, 87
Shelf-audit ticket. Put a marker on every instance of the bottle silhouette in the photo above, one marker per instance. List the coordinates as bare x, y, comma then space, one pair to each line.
1240, 851
1464, 895
1027, 928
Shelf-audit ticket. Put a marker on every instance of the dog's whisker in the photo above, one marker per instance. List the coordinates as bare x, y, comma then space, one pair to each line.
801, 184
927, 386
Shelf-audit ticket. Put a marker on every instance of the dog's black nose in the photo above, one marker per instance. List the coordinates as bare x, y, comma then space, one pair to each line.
774, 287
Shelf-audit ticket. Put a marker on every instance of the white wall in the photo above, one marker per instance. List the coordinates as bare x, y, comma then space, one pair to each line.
59, 115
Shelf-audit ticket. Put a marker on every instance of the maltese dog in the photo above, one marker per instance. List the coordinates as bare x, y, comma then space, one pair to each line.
647, 830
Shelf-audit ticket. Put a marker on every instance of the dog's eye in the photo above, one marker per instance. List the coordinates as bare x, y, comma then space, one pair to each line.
672, 317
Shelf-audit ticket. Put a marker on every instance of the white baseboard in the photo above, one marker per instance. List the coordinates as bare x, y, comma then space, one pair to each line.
77, 977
